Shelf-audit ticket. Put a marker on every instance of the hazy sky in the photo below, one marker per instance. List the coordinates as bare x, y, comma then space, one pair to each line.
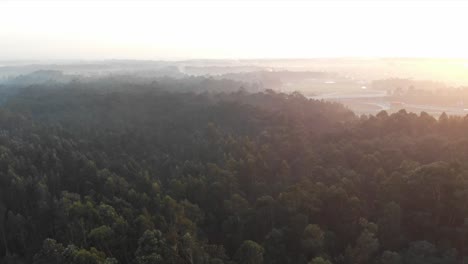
232, 29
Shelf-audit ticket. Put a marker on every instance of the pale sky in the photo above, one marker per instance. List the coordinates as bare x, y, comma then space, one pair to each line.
105, 29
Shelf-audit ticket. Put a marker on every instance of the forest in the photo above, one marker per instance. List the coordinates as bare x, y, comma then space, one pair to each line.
211, 171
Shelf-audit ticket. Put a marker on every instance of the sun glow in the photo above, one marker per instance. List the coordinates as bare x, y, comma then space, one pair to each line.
228, 29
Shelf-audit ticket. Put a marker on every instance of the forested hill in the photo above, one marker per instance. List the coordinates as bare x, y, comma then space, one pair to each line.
144, 175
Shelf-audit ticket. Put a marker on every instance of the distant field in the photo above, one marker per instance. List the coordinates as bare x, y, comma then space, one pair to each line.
372, 102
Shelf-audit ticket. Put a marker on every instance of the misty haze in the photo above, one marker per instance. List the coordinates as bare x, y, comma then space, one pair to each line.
233, 132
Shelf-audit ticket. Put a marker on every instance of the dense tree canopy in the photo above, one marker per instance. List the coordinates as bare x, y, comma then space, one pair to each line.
143, 174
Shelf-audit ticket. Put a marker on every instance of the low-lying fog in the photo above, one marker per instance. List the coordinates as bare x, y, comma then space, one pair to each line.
366, 86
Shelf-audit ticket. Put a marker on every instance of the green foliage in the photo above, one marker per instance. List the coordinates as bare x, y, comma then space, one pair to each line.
250, 253
151, 248
138, 174
389, 257
313, 240
51, 253
319, 260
